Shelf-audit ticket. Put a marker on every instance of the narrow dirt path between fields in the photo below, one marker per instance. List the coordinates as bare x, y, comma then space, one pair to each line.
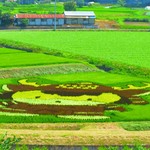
75, 134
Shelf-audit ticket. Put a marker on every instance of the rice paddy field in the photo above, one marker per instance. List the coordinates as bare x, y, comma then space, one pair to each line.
56, 77
91, 95
18, 58
102, 12
112, 16
130, 48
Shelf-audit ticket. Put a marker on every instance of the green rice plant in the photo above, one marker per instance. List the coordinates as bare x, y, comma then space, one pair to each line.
5, 88
2, 106
125, 26
29, 59
146, 97
43, 119
130, 86
16, 114
5, 103
7, 81
133, 113
82, 117
14, 102
103, 78
103, 98
99, 47
9, 51
56, 101
100, 51
116, 13
12, 109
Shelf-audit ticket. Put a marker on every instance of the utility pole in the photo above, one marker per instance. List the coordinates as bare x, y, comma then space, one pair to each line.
55, 16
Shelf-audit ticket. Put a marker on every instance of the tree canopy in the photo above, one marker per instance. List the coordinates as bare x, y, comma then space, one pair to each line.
70, 6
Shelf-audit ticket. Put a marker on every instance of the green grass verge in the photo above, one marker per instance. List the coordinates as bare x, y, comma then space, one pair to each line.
136, 126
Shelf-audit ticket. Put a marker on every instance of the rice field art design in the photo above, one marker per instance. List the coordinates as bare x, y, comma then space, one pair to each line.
80, 100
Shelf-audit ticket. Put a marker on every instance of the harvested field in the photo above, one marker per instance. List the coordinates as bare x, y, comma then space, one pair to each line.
107, 24
75, 134
47, 69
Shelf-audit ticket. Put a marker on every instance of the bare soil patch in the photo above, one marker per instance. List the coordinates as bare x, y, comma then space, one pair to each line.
106, 24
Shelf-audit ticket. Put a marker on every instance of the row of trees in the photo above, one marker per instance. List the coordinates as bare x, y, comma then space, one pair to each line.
6, 19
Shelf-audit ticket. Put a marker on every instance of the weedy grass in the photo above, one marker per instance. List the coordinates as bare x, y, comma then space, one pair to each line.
6, 143
133, 147
25, 147
136, 126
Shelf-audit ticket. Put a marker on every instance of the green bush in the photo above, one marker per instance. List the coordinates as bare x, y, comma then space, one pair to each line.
6, 143
70, 6
6, 19
24, 22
